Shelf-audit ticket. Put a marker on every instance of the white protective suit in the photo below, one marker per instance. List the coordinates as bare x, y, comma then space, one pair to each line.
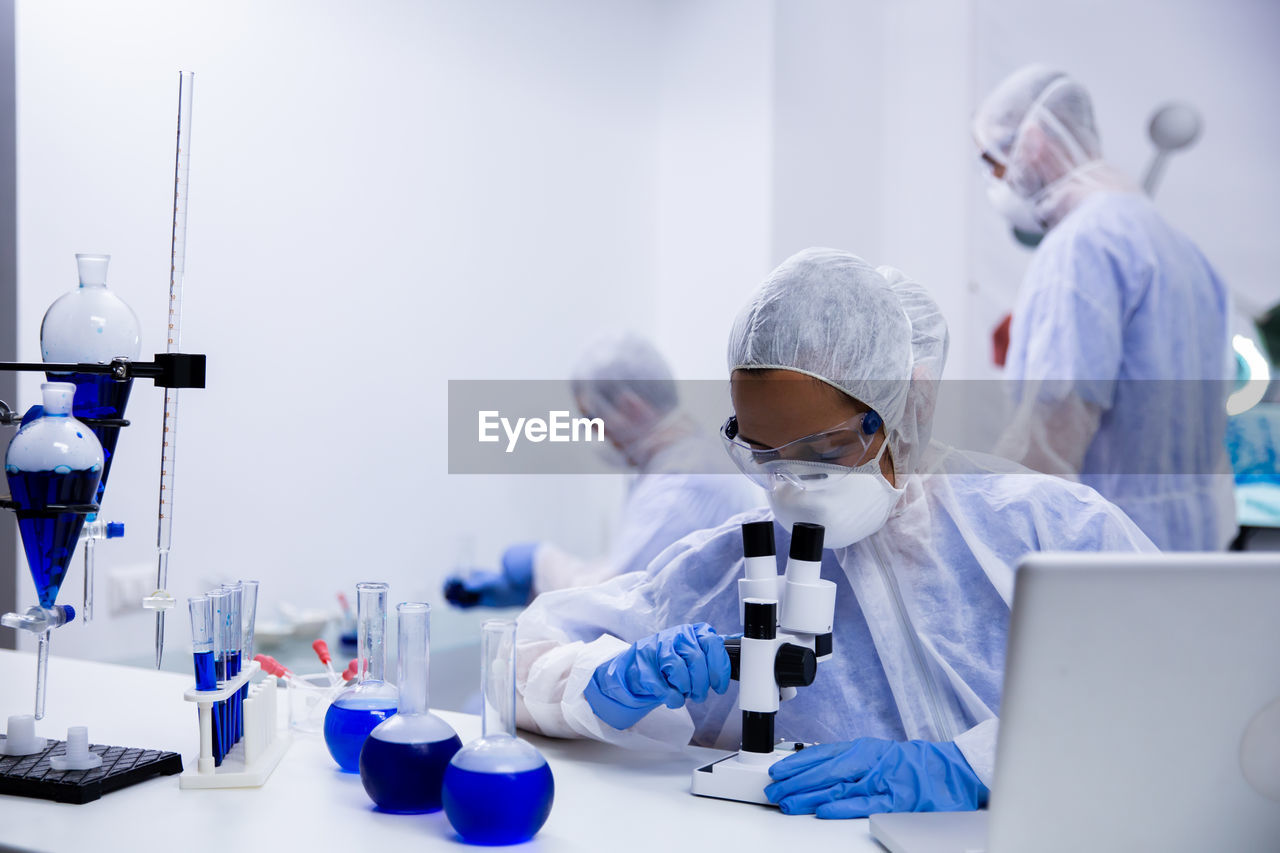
922, 605
1119, 350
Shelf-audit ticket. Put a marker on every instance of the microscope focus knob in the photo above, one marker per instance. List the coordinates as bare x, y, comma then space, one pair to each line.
794, 666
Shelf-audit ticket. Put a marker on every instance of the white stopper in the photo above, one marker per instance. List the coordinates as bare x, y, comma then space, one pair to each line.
93, 269
20, 736
78, 756
59, 397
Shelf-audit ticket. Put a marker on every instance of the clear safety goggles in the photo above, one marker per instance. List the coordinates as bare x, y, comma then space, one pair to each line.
814, 462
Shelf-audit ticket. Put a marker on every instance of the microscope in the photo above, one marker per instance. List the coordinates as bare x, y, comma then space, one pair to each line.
786, 632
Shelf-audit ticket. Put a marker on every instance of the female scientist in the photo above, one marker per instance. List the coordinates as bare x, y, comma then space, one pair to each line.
834, 370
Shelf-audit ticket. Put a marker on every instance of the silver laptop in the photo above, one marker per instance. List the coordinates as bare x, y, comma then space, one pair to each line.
1141, 712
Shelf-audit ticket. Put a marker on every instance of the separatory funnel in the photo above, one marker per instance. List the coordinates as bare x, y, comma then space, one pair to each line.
91, 325
356, 710
403, 762
498, 789
53, 465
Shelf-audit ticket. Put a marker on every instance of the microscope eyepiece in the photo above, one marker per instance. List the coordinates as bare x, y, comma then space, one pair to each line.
757, 539
806, 542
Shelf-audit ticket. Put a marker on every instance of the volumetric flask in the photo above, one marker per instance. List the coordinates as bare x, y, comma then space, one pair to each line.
498, 789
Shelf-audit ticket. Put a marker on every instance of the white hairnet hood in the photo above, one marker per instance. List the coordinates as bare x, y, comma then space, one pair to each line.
869, 332
1038, 124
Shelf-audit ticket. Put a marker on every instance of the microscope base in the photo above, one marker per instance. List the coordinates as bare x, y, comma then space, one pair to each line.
740, 776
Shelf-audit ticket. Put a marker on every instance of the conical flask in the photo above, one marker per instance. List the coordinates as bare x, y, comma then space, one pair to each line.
356, 710
53, 460
498, 788
91, 325
403, 761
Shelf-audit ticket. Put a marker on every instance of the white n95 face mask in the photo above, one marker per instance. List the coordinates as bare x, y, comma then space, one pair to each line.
851, 508
1017, 210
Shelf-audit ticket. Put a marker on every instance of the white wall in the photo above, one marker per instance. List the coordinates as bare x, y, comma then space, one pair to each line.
714, 167
383, 197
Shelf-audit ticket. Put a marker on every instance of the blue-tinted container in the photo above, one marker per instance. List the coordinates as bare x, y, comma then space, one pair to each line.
92, 325
498, 789
358, 709
54, 460
403, 762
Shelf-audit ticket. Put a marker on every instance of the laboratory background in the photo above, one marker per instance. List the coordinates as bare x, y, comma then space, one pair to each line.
388, 196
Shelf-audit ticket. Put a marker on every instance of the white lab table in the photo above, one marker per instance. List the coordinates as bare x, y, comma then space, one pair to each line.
607, 798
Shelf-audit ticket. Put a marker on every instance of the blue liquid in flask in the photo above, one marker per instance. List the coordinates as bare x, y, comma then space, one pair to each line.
498, 808
405, 778
50, 542
347, 724
99, 397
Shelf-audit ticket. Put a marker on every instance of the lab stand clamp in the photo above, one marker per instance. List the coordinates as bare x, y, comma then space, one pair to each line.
786, 632
251, 761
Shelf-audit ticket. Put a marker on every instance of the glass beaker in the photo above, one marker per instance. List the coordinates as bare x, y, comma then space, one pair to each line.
403, 762
309, 698
91, 325
359, 708
498, 789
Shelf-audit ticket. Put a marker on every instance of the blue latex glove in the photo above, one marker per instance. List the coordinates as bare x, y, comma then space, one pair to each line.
684, 662
512, 587
871, 776
517, 564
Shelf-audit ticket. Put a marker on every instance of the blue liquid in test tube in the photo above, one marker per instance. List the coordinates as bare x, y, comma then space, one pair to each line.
203, 633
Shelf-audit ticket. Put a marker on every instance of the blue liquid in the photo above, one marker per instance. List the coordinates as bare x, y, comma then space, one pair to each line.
50, 542
347, 724
498, 808
206, 679
233, 702
98, 396
219, 715
405, 778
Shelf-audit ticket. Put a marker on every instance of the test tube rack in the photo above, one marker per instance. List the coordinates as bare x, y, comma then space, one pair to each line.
250, 762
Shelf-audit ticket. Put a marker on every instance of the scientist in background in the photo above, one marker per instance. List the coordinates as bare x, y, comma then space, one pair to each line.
834, 371
684, 481
1119, 347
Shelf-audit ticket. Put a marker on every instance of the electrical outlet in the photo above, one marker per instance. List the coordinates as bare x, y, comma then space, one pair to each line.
127, 586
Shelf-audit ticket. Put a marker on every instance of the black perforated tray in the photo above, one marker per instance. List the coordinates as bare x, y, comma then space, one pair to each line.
122, 766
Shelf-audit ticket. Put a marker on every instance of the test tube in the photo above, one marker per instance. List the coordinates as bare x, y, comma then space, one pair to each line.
248, 616
220, 599
202, 631
234, 638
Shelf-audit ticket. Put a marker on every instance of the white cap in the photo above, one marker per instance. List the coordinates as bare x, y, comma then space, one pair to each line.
58, 397
93, 269
20, 738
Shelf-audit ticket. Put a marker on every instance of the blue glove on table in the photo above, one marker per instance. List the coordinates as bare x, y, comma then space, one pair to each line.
684, 662
871, 776
510, 588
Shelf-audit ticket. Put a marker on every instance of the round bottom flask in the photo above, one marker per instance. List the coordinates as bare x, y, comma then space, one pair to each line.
356, 711
352, 716
403, 762
498, 789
